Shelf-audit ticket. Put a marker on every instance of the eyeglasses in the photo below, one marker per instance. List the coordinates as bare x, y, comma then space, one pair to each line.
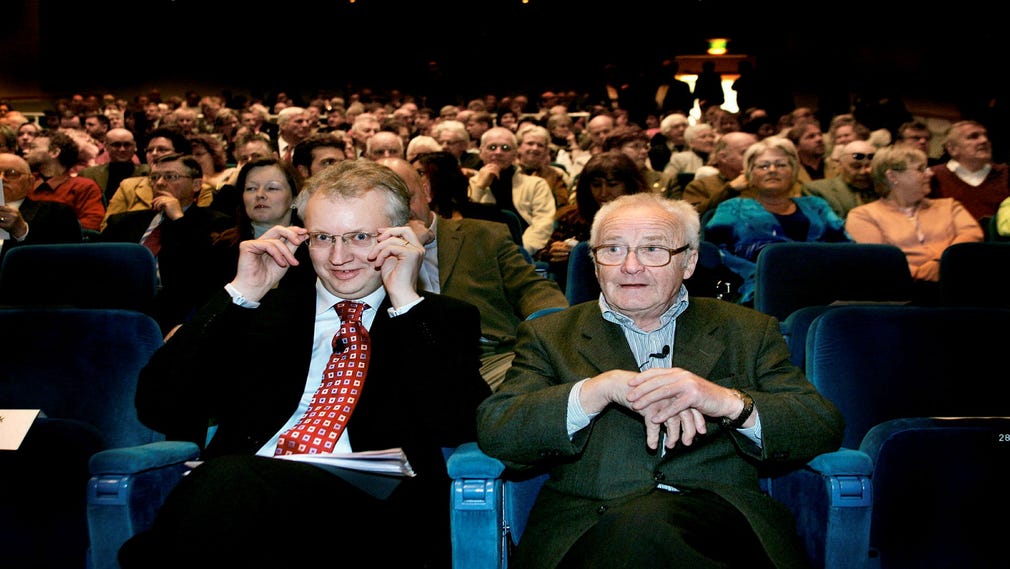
765, 166
863, 156
167, 176
11, 174
120, 144
648, 255
355, 239
504, 147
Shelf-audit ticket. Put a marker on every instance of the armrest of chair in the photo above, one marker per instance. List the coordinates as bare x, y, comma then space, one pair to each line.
831, 499
127, 487
476, 509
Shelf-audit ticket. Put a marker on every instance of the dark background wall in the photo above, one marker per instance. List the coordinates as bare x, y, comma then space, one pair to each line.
831, 53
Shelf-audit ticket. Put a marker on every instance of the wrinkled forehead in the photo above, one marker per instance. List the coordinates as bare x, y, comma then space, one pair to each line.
632, 225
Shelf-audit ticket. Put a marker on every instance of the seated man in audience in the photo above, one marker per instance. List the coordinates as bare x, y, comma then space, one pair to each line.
317, 152
178, 233
499, 182
120, 164
253, 359
534, 158
654, 411
970, 176
136, 193
727, 157
853, 186
477, 261
26, 221
51, 157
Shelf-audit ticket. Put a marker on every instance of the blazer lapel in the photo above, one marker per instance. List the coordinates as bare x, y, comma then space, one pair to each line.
696, 346
450, 242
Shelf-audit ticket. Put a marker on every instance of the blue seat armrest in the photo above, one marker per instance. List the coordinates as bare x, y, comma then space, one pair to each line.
476, 509
468, 461
831, 499
126, 488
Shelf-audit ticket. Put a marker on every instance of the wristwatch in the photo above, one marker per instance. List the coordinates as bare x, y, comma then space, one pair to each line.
748, 408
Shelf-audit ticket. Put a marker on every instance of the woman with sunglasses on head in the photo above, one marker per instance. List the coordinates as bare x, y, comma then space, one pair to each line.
742, 227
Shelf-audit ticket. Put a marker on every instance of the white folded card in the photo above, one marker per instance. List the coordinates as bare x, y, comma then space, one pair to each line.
14, 425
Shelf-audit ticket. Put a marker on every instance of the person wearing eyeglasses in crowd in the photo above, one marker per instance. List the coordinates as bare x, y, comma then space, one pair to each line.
853, 186
253, 357
921, 227
136, 193
916, 134
121, 148
179, 234
653, 411
499, 182
742, 227
26, 221
455, 139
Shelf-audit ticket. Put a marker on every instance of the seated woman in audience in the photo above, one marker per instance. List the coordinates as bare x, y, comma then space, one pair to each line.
922, 227
606, 176
741, 227
268, 187
210, 152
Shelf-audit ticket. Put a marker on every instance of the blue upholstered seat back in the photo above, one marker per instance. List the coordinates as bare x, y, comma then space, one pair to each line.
90, 275
793, 275
78, 364
975, 274
938, 484
581, 284
885, 362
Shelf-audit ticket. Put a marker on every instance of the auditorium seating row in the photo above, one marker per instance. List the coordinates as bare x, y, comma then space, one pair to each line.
913, 485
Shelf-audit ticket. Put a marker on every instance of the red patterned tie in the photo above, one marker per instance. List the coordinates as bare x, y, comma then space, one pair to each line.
153, 240
318, 430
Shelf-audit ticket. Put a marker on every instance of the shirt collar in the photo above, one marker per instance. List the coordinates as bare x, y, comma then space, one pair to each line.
676, 309
325, 300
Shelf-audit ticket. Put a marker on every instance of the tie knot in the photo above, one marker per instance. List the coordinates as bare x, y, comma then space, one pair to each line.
350, 311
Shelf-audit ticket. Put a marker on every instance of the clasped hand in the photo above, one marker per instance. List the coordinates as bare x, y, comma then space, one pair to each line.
671, 398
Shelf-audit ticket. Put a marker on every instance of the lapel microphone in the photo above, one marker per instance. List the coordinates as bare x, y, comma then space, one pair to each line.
658, 355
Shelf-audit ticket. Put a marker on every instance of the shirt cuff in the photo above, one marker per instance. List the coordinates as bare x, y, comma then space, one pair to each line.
394, 312
578, 419
238, 299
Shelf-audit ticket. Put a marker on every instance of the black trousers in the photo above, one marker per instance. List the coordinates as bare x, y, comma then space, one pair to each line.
690, 530
250, 512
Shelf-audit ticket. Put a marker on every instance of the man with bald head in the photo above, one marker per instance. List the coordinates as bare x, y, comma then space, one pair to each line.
853, 186
24, 221
479, 262
727, 157
123, 163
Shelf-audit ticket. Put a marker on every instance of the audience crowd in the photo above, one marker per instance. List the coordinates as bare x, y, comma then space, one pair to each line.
515, 159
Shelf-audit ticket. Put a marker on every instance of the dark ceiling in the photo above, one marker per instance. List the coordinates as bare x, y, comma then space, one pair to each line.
504, 46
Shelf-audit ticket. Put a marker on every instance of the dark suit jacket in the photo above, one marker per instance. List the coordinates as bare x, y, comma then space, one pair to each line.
100, 174
186, 262
524, 423
479, 262
48, 222
421, 392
